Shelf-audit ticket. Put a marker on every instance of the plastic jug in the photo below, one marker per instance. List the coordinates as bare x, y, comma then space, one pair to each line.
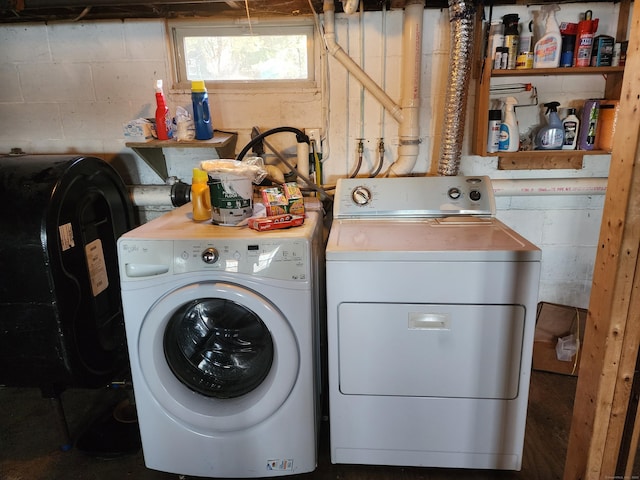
200, 195
201, 114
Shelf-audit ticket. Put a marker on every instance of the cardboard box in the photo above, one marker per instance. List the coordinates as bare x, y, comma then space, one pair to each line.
602, 53
557, 321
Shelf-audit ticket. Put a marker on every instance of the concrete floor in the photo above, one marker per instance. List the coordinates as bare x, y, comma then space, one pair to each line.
31, 440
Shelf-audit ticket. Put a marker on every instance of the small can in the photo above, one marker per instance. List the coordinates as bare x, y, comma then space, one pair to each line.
501, 59
524, 61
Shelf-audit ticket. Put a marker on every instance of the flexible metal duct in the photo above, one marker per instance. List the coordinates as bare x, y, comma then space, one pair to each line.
461, 16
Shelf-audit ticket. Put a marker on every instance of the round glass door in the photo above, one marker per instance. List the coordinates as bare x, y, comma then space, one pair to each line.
218, 348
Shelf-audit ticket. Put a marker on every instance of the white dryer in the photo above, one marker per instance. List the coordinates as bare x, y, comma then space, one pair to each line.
431, 305
222, 326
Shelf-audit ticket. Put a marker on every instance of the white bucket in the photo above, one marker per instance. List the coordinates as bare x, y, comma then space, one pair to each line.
231, 198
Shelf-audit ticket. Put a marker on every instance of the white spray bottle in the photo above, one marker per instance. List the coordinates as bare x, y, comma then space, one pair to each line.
509, 132
546, 53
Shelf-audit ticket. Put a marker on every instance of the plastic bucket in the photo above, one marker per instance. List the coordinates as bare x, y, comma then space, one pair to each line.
231, 198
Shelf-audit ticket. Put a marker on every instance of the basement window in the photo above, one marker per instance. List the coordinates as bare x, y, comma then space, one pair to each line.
233, 54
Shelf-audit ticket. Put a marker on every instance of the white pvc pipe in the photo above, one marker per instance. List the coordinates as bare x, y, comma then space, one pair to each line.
150, 195
350, 6
549, 186
409, 131
303, 161
352, 67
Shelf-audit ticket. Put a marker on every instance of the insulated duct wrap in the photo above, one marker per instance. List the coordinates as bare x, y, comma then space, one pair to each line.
461, 15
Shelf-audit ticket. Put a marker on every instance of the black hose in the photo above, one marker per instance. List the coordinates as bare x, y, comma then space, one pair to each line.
301, 137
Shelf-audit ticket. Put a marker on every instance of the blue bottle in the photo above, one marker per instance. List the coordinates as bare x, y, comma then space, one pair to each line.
201, 114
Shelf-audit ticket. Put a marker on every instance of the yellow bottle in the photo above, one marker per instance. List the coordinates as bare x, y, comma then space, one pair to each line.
200, 196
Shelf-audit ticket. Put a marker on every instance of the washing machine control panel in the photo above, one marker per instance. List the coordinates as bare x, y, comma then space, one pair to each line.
413, 197
283, 259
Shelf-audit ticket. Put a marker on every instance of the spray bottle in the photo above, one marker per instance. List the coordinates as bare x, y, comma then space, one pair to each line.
547, 51
509, 133
163, 120
200, 195
551, 136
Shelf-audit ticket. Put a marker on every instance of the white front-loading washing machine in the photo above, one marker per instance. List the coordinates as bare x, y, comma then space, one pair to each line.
222, 326
431, 305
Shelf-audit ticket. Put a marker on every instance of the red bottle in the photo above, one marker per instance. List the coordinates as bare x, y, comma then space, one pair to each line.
163, 120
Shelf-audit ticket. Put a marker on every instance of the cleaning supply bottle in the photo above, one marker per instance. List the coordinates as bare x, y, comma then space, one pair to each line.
201, 114
584, 40
571, 126
511, 38
163, 119
509, 132
200, 195
546, 53
551, 136
493, 132
589, 122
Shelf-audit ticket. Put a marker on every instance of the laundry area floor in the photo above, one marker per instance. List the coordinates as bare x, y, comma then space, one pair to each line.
30, 439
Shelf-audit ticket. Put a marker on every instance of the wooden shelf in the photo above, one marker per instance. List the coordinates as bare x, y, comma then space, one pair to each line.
543, 159
533, 72
540, 159
152, 151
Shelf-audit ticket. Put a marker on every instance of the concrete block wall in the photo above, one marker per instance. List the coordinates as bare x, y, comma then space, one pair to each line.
68, 87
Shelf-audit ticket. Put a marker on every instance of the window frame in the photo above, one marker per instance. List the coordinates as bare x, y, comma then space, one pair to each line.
178, 29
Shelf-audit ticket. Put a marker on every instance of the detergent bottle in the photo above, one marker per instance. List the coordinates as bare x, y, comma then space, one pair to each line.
200, 195
201, 113
551, 136
509, 132
163, 120
546, 53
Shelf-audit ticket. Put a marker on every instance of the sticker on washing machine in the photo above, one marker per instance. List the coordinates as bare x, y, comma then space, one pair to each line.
280, 465
97, 267
66, 236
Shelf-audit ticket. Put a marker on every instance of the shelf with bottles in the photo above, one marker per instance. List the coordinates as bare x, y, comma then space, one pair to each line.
539, 159
152, 151
536, 159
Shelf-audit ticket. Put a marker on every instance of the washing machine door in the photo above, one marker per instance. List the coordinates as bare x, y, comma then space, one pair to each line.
218, 356
218, 347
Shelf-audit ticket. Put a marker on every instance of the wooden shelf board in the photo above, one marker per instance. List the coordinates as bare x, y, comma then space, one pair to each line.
219, 140
543, 160
556, 71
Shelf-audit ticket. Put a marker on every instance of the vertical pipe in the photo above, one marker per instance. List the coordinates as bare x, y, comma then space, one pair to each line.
409, 131
461, 16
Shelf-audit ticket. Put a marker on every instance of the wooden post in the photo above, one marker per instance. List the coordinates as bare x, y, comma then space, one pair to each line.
612, 333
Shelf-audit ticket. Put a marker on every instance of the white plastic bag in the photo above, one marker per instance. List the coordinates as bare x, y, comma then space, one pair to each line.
185, 127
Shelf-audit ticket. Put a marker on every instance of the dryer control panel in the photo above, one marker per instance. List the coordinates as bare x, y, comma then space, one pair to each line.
413, 197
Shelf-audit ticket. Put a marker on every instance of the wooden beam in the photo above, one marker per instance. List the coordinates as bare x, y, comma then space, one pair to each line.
613, 328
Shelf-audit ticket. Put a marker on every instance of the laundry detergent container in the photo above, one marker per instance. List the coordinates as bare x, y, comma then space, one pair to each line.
60, 308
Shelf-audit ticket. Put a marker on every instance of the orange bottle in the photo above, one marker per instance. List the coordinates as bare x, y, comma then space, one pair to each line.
200, 196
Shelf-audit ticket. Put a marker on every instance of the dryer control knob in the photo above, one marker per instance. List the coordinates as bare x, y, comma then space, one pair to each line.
475, 195
361, 196
454, 193
210, 255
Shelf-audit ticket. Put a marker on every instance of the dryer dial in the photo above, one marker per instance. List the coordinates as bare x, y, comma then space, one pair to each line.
210, 256
361, 195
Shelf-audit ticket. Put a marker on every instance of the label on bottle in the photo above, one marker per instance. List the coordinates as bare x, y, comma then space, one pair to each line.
570, 132
493, 140
503, 142
583, 52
